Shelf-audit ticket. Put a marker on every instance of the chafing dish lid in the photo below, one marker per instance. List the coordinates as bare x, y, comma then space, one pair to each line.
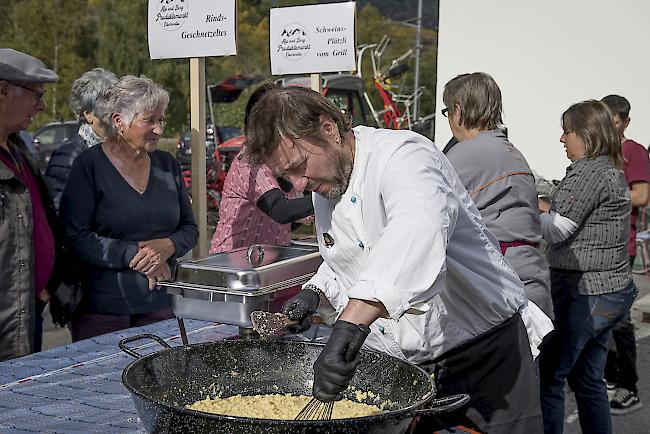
249, 268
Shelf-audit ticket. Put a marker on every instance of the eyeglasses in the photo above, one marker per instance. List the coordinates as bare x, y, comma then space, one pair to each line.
445, 112
38, 93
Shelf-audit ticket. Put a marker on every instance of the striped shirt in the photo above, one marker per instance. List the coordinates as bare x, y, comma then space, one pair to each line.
595, 196
241, 222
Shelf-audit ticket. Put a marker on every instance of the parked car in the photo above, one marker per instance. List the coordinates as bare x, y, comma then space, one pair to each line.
184, 145
48, 138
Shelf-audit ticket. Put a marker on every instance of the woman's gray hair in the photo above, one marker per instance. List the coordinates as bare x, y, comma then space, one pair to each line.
479, 99
131, 96
88, 89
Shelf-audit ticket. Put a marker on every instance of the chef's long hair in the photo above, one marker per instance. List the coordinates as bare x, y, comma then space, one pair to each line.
291, 113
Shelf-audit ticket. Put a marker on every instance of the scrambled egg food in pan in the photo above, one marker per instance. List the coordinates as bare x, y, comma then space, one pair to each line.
277, 406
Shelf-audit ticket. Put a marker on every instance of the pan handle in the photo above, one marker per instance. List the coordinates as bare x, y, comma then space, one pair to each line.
133, 353
443, 405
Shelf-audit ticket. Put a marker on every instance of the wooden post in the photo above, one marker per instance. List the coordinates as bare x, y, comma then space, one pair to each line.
197, 124
316, 83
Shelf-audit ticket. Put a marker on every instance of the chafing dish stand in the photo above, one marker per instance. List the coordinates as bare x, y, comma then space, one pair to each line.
226, 287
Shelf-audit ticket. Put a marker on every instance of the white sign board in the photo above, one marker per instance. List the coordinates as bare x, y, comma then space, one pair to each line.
192, 28
313, 39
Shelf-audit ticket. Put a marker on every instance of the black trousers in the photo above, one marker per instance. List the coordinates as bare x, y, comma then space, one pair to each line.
496, 370
621, 363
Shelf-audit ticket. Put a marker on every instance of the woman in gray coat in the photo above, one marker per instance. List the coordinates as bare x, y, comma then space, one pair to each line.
498, 178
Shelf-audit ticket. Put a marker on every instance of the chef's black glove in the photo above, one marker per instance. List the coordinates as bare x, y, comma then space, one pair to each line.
300, 308
338, 361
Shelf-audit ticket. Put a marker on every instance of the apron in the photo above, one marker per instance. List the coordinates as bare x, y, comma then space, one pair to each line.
496, 370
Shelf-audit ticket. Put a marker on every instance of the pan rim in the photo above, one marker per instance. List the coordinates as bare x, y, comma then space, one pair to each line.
401, 413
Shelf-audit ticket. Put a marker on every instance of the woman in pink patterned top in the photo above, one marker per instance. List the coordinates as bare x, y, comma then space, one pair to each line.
255, 208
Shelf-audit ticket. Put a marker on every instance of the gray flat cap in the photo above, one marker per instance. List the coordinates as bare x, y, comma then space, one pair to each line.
18, 66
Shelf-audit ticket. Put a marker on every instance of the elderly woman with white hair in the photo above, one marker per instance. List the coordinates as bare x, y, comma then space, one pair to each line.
125, 214
87, 92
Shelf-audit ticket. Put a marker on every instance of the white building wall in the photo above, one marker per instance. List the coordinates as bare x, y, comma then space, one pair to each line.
546, 55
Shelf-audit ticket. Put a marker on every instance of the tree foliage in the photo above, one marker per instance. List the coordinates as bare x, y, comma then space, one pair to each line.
73, 36
51, 31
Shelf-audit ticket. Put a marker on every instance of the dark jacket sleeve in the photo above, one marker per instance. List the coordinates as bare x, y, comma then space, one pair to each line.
59, 166
186, 233
276, 205
76, 215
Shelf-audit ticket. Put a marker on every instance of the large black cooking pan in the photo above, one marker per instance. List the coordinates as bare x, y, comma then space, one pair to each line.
163, 383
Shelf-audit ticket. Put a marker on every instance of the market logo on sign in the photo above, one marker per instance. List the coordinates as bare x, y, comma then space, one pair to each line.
172, 14
293, 42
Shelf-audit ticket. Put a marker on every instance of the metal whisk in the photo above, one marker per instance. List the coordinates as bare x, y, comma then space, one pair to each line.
316, 410
320, 410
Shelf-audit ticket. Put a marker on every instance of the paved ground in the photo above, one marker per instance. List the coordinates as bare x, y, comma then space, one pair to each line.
637, 422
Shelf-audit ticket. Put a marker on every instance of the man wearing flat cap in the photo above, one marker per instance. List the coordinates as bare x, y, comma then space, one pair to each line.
27, 220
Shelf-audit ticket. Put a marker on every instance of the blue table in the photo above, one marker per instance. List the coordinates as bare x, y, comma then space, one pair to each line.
77, 388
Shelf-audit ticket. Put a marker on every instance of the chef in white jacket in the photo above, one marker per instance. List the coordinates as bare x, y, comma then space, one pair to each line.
408, 265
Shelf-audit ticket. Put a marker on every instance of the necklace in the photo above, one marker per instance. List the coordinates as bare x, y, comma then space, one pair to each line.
144, 187
126, 165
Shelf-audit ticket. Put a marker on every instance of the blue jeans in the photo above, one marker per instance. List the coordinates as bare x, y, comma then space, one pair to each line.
577, 351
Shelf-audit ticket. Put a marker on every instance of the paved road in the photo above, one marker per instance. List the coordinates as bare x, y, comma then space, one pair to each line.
637, 422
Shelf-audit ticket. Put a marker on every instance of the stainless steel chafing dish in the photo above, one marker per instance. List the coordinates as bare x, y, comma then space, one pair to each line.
227, 287
306, 241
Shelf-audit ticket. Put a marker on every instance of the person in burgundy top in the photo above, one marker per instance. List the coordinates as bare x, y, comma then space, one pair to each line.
257, 208
620, 372
27, 241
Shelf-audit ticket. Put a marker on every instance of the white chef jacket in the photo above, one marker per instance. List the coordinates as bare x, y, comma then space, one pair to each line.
407, 234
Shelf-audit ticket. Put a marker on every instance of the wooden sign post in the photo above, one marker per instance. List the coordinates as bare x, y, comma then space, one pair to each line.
197, 124
206, 29
316, 83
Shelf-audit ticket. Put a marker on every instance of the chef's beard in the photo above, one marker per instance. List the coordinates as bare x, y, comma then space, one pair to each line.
341, 179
